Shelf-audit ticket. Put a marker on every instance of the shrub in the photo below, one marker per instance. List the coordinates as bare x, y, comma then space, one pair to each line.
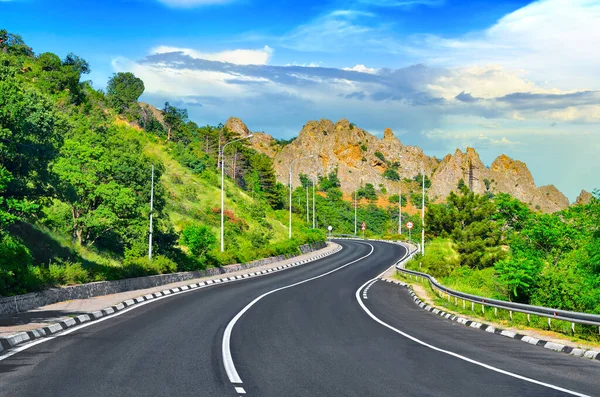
380, 156
199, 239
67, 274
15, 260
391, 174
142, 266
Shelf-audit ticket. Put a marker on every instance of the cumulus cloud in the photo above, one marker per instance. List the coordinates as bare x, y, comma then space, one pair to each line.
362, 69
237, 57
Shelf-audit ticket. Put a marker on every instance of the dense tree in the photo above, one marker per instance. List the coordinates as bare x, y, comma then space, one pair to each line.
123, 90
104, 177
174, 118
391, 174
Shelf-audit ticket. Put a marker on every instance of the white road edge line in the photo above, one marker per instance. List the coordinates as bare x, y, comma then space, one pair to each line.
512, 374
12, 351
232, 373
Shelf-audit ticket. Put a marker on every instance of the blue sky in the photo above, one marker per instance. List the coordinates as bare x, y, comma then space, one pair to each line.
514, 77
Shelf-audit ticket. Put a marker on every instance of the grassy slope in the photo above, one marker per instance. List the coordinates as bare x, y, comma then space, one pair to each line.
191, 199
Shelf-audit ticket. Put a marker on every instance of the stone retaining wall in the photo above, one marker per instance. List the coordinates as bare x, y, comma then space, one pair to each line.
20, 303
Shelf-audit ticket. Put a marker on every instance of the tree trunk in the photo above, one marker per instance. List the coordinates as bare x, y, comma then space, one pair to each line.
169, 134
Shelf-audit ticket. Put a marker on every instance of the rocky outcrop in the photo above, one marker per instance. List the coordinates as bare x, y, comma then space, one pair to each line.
361, 157
504, 175
352, 151
236, 125
584, 198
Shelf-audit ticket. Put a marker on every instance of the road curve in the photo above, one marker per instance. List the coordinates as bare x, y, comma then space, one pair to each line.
313, 338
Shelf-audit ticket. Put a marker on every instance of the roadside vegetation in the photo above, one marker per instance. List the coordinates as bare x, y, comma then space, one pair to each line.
495, 246
75, 181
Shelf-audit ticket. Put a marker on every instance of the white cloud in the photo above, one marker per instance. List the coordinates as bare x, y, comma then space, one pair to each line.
552, 40
237, 57
586, 114
362, 69
191, 3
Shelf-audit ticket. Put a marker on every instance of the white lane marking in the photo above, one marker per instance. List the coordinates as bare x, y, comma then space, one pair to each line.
232, 373
240, 390
512, 374
166, 294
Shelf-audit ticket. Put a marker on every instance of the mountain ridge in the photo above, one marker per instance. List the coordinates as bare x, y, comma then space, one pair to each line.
351, 150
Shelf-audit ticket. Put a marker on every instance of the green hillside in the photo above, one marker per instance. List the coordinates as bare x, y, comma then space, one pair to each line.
75, 181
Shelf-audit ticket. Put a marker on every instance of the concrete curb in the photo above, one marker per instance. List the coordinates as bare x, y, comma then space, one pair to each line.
591, 354
52, 329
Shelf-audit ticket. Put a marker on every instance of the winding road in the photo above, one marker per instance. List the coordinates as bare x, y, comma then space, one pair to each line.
327, 328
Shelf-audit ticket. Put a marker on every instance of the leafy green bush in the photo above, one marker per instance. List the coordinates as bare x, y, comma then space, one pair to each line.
142, 266
199, 239
380, 156
66, 274
440, 260
15, 261
391, 174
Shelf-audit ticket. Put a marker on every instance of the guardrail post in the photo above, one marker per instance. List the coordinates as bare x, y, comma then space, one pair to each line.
528, 318
496, 311
455, 301
549, 326
472, 306
483, 309
510, 314
463, 304
573, 328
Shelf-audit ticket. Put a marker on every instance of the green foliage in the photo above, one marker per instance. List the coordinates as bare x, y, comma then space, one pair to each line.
517, 276
368, 192
104, 177
363, 147
329, 181
123, 91
142, 266
380, 156
199, 239
174, 119
419, 180
391, 174
285, 142
66, 274
15, 261
440, 260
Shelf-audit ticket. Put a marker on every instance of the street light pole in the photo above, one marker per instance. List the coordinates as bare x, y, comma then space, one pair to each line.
290, 185
400, 210
151, 215
223, 189
307, 209
423, 213
314, 181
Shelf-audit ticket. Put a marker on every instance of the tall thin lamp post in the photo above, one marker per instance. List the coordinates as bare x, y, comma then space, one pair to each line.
314, 183
423, 213
151, 215
223, 189
400, 210
291, 164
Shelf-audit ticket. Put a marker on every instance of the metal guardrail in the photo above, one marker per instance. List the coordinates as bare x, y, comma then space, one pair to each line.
550, 313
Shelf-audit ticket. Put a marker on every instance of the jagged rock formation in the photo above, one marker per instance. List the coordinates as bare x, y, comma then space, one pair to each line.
361, 157
351, 150
236, 125
583, 198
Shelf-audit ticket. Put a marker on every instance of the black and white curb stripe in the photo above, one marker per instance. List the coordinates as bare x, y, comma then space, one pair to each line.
591, 354
9, 342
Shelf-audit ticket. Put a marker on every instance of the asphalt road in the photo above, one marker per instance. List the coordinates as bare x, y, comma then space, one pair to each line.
310, 339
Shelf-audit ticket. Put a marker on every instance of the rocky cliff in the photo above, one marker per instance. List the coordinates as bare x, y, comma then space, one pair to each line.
361, 157
583, 198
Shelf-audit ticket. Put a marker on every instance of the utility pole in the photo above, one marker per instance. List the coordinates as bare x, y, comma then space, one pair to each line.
400, 210
423, 214
222, 163
290, 186
314, 208
307, 210
355, 205
151, 213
